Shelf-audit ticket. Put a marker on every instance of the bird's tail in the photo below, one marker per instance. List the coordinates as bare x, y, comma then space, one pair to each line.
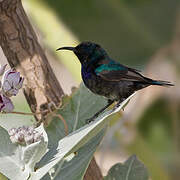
161, 83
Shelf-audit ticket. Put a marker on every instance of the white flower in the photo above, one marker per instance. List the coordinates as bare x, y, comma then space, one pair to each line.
32, 144
11, 83
25, 135
2, 69
6, 104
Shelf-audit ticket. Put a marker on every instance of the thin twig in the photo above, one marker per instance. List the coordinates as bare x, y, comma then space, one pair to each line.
33, 114
53, 114
64, 122
22, 113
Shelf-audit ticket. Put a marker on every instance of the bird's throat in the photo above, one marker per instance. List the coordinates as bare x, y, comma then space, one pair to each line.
86, 72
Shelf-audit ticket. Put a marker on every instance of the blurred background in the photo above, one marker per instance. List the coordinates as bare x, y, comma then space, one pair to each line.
143, 34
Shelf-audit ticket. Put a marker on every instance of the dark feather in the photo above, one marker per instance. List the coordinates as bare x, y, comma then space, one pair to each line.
124, 73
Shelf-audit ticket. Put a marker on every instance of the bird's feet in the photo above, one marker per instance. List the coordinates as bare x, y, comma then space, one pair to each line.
118, 104
88, 121
99, 112
91, 119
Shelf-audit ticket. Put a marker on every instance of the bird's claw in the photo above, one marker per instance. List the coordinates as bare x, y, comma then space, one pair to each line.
88, 121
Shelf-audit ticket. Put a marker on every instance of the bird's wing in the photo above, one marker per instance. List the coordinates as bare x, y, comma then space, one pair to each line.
117, 72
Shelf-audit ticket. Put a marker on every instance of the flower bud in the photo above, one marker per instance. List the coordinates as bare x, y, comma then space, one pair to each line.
12, 131
38, 136
11, 83
6, 104
29, 139
25, 135
20, 137
13, 139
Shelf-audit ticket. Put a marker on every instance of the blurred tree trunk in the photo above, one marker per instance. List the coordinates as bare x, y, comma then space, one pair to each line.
93, 172
22, 50
20, 46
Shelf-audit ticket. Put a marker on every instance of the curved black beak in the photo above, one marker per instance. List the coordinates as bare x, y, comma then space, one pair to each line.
66, 48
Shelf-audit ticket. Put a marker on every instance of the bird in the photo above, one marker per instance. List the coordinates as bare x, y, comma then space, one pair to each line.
106, 77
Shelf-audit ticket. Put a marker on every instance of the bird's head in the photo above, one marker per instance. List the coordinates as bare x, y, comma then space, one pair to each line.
87, 52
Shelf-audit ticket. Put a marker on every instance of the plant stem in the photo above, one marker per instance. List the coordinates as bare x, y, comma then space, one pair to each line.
21, 113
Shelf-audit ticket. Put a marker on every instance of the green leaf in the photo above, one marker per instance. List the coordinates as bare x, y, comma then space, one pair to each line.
10, 163
8, 121
20, 158
84, 140
132, 169
33, 153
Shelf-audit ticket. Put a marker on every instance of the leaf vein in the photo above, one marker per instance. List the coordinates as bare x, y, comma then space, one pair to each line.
129, 169
77, 111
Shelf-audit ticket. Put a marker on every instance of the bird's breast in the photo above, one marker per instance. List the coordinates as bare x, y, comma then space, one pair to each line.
89, 78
